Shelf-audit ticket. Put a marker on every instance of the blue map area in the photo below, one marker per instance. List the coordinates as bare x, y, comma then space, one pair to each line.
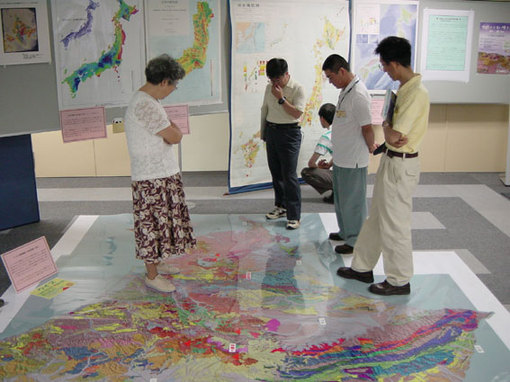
251, 39
396, 20
85, 28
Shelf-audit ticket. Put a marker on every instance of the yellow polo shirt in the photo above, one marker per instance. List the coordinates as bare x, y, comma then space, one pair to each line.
411, 116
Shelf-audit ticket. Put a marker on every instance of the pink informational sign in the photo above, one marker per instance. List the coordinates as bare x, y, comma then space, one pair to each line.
29, 264
376, 109
179, 114
82, 124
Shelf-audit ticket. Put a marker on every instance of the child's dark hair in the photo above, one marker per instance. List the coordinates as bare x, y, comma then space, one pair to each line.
327, 111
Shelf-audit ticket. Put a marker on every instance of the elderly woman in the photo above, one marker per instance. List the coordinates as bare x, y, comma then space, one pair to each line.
161, 217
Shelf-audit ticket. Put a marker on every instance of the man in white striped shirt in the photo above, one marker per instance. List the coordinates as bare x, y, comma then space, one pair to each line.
318, 174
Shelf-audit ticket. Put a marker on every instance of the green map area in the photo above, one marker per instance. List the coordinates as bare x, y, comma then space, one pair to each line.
190, 32
195, 56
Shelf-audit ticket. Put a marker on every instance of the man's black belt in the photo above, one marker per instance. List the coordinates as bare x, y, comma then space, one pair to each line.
392, 154
282, 125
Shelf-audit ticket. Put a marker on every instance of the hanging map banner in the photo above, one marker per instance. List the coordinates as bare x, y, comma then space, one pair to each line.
24, 32
373, 21
259, 33
189, 31
99, 51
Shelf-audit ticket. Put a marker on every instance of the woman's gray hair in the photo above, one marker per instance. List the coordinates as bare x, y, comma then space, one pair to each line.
162, 68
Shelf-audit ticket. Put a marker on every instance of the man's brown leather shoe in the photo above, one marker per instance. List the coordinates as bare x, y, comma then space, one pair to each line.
386, 289
349, 273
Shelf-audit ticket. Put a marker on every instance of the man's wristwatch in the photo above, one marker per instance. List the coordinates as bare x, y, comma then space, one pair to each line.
281, 101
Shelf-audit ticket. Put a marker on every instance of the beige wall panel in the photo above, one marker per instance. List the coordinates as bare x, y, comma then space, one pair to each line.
206, 148
112, 157
54, 158
460, 138
433, 147
477, 138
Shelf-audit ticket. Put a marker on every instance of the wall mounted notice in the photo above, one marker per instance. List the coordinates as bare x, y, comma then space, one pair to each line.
446, 45
179, 114
494, 48
82, 124
24, 32
29, 264
376, 108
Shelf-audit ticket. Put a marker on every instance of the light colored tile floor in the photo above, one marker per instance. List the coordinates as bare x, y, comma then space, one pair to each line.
472, 262
488, 203
425, 220
491, 205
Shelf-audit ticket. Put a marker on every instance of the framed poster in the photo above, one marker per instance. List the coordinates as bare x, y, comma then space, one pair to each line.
24, 32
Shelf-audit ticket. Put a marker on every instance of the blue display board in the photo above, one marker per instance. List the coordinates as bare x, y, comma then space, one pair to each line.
18, 195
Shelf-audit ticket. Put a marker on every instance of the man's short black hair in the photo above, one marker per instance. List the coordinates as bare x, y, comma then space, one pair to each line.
327, 111
395, 49
276, 67
334, 62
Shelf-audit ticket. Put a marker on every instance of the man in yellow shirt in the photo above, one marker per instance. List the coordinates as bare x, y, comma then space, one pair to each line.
388, 228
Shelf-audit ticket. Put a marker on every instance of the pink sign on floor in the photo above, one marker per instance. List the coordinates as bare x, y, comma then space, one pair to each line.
29, 264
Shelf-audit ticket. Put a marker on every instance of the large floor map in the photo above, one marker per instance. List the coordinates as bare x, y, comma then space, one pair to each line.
253, 302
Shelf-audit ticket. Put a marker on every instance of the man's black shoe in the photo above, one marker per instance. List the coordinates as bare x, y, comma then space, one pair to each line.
329, 199
386, 289
344, 249
335, 236
349, 273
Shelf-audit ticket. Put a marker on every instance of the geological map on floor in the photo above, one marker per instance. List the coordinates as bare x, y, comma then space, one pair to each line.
253, 302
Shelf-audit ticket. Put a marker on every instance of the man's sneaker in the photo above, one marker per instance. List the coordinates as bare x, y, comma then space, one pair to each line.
276, 213
160, 284
293, 224
167, 269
